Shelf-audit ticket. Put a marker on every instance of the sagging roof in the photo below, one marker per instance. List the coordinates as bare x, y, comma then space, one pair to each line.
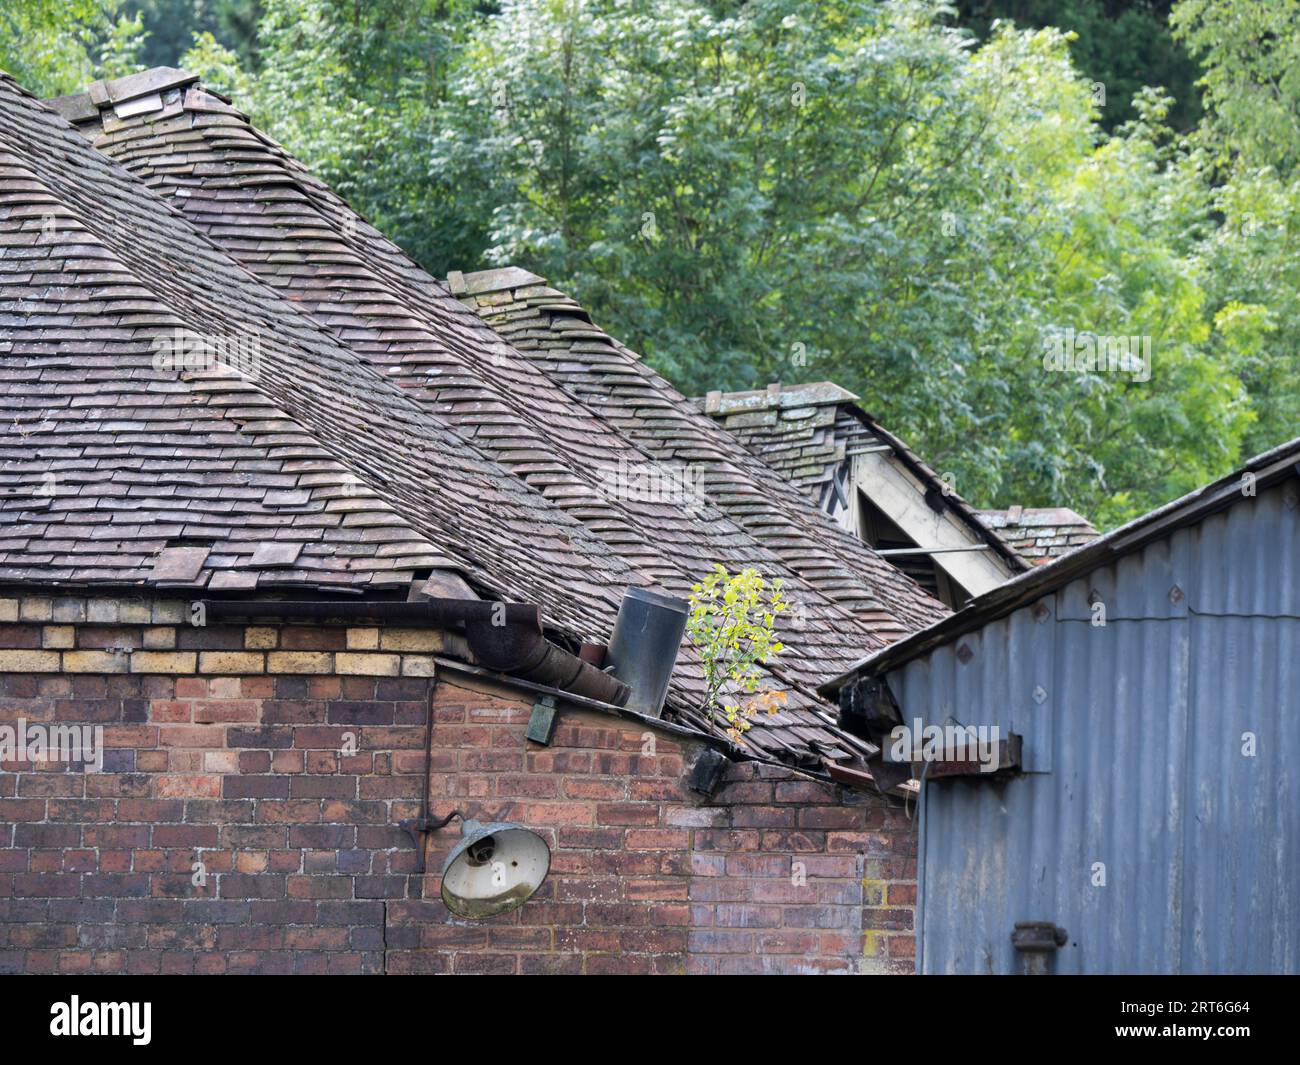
384, 433
1040, 534
808, 431
869, 481
1269, 468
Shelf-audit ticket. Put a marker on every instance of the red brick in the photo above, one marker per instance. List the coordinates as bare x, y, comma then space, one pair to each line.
656, 838
188, 787
304, 855
626, 813
220, 710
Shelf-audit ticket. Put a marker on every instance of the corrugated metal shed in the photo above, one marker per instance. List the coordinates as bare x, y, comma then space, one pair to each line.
1138, 753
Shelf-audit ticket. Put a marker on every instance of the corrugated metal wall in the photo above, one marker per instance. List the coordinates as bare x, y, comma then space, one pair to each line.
1134, 742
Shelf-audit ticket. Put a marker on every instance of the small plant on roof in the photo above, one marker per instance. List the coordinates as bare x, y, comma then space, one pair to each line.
731, 624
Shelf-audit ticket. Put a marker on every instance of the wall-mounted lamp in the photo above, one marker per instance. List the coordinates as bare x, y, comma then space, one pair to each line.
494, 868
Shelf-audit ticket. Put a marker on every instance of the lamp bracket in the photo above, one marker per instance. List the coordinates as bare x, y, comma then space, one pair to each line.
419, 827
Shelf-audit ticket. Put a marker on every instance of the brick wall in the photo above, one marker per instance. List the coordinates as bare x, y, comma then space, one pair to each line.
245, 818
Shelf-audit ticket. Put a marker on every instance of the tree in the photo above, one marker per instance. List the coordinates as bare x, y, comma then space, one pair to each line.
54, 47
732, 624
352, 90
761, 191
1248, 157
1121, 46
1251, 55
861, 191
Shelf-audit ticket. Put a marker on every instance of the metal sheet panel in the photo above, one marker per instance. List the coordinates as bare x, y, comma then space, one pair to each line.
1138, 764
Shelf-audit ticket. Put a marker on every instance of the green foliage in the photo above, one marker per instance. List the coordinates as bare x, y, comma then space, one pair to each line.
353, 90
849, 191
732, 625
1248, 154
1251, 53
173, 26
54, 47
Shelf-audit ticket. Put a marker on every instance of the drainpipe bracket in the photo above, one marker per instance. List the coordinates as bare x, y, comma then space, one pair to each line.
1038, 937
420, 827
542, 721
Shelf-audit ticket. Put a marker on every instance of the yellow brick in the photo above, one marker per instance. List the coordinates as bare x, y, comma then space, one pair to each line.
69, 608
8, 609
231, 662
873, 892
261, 637
367, 665
418, 666
160, 638
135, 613
94, 662
58, 636
299, 662
29, 661
363, 639
163, 662
37, 608
102, 611
412, 640
170, 612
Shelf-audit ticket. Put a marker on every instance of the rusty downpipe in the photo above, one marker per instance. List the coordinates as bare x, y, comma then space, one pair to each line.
1037, 942
522, 650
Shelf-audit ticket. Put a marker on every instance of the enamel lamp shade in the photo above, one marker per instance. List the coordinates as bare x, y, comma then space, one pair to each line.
493, 869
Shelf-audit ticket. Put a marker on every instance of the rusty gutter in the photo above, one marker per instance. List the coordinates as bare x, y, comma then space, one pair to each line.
505, 637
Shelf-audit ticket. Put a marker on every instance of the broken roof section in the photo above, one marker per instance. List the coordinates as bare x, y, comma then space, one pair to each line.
870, 483
1040, 534
367, 369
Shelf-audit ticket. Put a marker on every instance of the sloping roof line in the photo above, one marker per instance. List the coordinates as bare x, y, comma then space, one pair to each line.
110, 230
1269, 468
557, 334
962, 510
163, 149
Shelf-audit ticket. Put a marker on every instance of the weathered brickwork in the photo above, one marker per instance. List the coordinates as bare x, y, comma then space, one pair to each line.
245, 819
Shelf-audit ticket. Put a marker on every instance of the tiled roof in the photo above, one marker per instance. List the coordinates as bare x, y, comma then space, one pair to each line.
609, 379
384, 428
1040, 534
806, 432
810, 433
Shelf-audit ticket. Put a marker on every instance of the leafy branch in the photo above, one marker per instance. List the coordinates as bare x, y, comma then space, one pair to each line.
732, 625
